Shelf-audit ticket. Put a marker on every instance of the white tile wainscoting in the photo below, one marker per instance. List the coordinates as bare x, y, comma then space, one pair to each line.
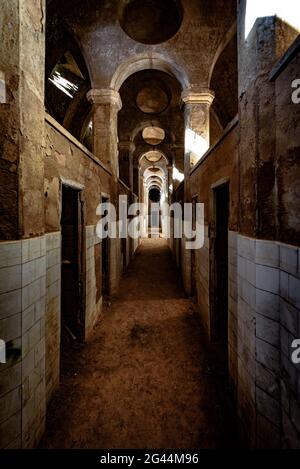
53, 312
268, 279
264, 319
22, 327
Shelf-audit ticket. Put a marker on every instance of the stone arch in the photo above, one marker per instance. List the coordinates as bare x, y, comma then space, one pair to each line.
151, 122
148, 61
164, 156
226, 40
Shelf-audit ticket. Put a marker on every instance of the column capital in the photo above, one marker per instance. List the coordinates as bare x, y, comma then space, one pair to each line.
105, 96
198, 96
127, 146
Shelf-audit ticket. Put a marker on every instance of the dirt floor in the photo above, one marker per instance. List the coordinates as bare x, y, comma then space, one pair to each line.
148, 379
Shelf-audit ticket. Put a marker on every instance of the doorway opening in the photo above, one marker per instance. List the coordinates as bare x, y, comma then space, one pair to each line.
193, 252
154, 215
124, 252
105, 259
72, 295
220, 282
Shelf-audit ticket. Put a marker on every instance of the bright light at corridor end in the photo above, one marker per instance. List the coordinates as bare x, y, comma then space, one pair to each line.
287, 10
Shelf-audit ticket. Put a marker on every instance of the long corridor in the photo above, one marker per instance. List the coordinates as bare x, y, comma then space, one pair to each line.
148, 378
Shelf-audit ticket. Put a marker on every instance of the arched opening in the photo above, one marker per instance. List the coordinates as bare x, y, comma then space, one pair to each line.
154, 135
154, 194
154, 190
148, 61
67, 81
224, 82
139, 135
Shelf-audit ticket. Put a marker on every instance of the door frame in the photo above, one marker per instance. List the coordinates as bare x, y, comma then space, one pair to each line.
194, 292
213, 282
74, 185
107, 198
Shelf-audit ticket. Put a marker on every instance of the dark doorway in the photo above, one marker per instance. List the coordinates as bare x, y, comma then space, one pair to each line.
105, 260
220, 322
193, 252
72, 308
124, 252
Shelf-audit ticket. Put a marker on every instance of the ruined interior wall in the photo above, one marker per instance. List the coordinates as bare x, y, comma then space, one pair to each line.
268, 282
52, 312
220, 164
22, 327
268, 312
64, 159
22, 261
32, 144
9, 120
67, 160
216, 130
287, 152
288, 209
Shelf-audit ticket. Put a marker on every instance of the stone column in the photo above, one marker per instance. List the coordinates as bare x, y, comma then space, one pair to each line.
135, 179
131, 168
126, 150
22, 226
197, 104
106, 105
169, 182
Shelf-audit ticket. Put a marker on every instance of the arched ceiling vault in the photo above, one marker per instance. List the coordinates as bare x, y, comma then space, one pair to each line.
188, 55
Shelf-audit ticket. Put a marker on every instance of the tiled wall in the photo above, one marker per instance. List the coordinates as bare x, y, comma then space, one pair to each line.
233, 308
53, 313
268, 322
289, 330
22, 327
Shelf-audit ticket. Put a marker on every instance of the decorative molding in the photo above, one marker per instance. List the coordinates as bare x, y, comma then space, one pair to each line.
198, 96
72, 184
127, 146
105, 96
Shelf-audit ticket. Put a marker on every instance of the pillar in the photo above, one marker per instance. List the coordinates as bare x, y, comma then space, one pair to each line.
126, 150
197, 102
22, 227
106, 105
170, 183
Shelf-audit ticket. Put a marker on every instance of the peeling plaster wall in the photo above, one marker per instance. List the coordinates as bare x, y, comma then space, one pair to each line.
260, 161
9, 121
22, 261
287, 151
219, 165
67, 160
